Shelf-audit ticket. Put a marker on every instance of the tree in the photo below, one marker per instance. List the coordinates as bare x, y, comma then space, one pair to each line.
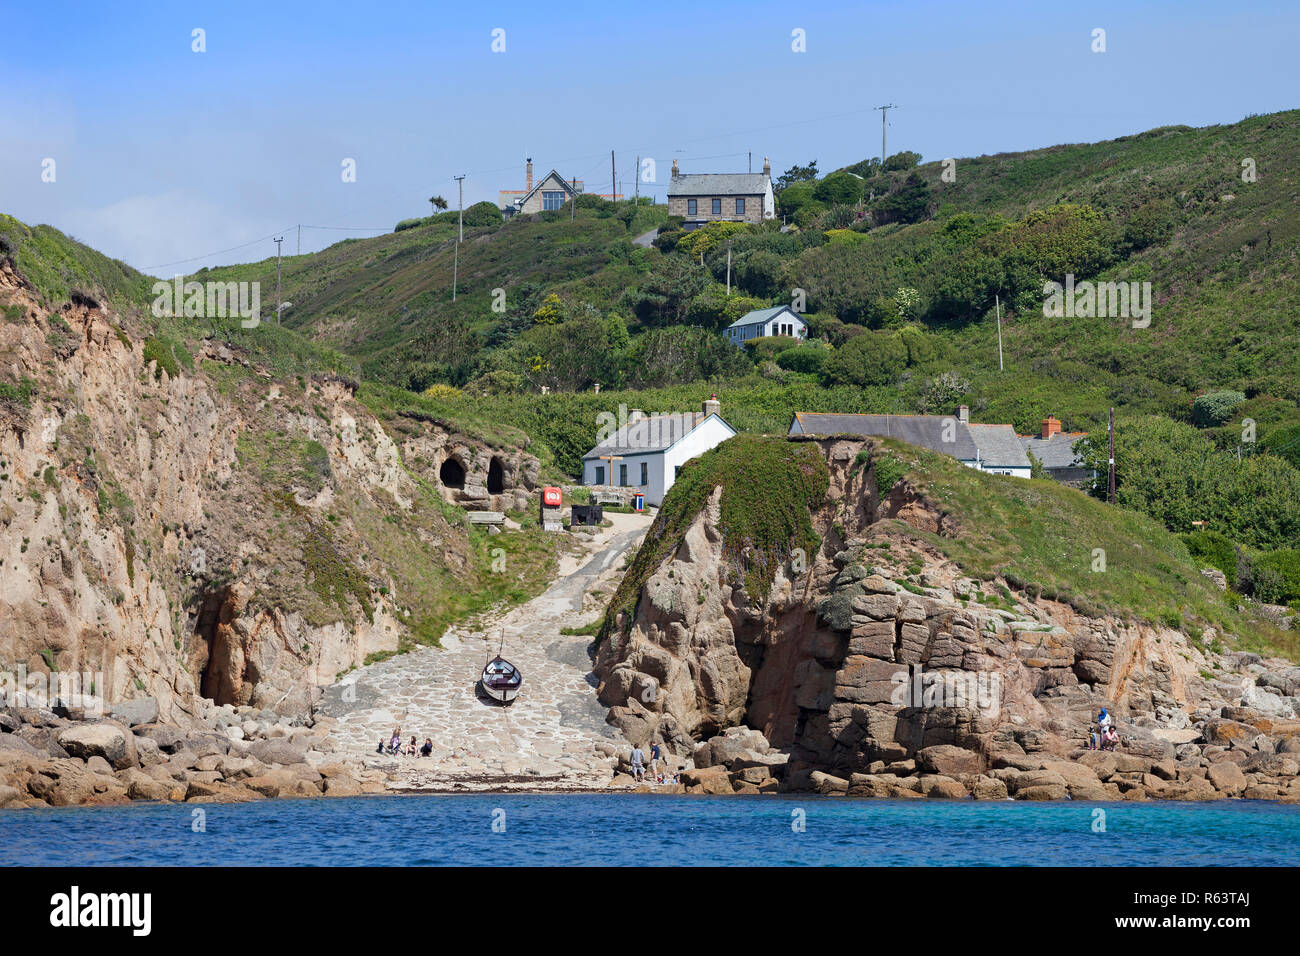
795, 174
438, 203
842, 189
872, 359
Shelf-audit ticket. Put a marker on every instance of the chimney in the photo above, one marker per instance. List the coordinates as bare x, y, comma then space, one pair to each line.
767, 168
712, 406
963, 414
676, 172
528, 175
1050, 426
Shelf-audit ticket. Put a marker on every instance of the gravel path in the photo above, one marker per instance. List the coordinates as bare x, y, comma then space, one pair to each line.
546, 739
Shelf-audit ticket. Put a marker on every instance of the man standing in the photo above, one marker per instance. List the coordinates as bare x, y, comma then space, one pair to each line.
655, 757
638, 764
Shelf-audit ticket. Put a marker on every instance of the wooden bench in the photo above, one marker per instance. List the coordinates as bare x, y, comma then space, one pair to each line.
487, 517
608, 498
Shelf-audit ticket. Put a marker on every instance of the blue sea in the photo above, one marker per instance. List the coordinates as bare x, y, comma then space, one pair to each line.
631, 830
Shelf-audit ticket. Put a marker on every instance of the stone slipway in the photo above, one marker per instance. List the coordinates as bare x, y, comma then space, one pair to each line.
553, 737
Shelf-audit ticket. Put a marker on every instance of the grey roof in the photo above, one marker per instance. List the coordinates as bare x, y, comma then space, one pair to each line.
1055, 452
718, 184
925, 431
651, 433
999, 446
759, 316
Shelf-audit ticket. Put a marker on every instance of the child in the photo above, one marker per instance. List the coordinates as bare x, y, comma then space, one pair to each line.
380, 748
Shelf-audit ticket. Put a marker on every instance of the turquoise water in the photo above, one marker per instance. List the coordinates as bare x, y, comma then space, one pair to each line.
620, 829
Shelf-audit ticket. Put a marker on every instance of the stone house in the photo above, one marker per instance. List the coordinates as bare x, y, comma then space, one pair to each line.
552, 191
702, 198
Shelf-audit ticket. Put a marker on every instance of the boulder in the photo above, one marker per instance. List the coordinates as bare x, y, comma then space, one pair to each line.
1226, 777
989, 788
277, 750
132, 713
945, 788
707, 780
342, 787
1042, 792
167, 738
948, 760
826, 783
104, 739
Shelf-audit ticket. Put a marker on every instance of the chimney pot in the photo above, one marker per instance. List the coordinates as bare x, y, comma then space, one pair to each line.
528, 175
767, 167
676, 171
712, 406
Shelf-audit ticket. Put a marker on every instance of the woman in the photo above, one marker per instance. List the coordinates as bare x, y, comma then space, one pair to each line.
1110, 739
427, 749
395, 745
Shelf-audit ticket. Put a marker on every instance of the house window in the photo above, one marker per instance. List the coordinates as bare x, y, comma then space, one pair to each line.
717, 207
552, 199
600, 475
622, 475
645, 474
740, 207
691, 206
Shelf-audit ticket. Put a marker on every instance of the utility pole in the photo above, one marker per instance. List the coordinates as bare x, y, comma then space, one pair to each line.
613, 178
728, 268
573, 208
998, 302
277, 279
1110, 441
636, 182
300, 239
751, 160
884, 111
460, 234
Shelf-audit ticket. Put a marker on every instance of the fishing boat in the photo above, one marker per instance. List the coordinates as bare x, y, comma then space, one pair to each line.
501, 680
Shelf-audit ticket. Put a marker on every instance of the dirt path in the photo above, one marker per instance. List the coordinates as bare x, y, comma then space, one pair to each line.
547, 739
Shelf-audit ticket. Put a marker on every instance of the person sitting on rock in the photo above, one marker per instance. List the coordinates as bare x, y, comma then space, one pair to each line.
427, 749
380, 748
1110, 739
395, 745
413, 748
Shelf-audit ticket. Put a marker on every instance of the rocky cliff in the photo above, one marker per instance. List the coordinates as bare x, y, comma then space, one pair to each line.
182, 518
877, 654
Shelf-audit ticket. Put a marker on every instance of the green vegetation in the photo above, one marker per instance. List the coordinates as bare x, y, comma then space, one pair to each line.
770, 487
1049, 540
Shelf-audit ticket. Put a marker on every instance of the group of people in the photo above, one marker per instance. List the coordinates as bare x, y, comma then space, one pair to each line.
656, 775
396, 748
1103, 737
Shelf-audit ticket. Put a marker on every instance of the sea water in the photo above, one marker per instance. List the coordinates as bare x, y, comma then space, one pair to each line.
647, 830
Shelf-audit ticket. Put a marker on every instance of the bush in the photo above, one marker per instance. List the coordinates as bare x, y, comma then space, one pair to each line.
872, 359
1215, 408
1212, 549
809, 359
1277, 577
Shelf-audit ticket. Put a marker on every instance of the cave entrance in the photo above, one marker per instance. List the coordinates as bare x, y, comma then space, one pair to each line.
496, 482
216, 658
452, 474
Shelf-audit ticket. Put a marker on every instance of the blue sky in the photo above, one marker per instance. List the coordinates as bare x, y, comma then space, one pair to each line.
171, 159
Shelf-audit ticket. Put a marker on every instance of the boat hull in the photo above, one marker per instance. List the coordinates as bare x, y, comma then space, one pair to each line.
501, 680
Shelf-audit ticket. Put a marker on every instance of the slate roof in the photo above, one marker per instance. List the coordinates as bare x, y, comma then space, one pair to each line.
568, 189
759, 316
999, 446
1055, 452
653, 433
718, 184
925, 431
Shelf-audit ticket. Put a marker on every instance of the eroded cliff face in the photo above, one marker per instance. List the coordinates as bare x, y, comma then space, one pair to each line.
847, 663
218, 532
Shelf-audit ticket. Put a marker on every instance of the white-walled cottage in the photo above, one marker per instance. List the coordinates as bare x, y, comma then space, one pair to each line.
778, 320
644, 454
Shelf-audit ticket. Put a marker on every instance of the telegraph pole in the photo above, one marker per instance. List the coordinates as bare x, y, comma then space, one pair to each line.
636, 182
299, 239
1110, 441
728, 268
460, 234
613, 178
884, 111
573, 209
998, 303
277, 279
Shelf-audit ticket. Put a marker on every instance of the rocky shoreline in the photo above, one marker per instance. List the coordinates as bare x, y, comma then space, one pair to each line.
68, 756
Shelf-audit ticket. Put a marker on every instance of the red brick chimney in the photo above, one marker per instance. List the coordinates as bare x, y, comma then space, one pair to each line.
528, 175
1050, 426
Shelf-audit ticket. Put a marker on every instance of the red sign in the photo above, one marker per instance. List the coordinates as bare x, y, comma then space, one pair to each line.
551, 497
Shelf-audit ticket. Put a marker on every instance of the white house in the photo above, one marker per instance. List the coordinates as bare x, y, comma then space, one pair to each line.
645, 453
992, 448
778, 320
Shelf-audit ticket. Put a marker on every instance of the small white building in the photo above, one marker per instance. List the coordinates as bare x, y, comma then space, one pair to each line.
778, 320
645, 453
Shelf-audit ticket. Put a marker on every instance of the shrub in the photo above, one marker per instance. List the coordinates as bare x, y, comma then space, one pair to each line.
1215, 408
